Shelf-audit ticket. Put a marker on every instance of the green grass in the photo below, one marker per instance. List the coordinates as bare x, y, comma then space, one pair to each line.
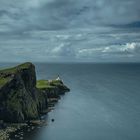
3, 81
15, 69
56, 82
41, 84
24, 65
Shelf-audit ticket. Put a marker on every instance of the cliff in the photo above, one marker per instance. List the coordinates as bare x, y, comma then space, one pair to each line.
22, 97
53, 88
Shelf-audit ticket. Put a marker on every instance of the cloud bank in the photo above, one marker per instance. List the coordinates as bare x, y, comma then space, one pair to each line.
72, 46
66, 14
69, 30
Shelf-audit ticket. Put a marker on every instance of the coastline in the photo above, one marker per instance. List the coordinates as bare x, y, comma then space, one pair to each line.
38, 97
12, 129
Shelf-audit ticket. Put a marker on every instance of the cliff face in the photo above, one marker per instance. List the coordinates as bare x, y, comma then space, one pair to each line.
18, 94
20, 100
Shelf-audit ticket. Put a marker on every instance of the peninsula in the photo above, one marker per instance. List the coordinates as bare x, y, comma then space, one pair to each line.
23, 98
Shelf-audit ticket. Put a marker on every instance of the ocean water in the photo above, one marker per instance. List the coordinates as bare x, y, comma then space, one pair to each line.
104, 102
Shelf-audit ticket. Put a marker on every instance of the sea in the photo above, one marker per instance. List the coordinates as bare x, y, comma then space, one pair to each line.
103, 104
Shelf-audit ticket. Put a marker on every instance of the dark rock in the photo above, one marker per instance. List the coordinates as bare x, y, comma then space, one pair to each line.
20, 99
52, 120
2, 124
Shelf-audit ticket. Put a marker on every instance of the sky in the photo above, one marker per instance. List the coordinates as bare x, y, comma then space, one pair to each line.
70, 30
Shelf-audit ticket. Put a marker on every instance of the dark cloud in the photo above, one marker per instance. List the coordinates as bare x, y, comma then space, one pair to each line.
135, 24
70, 29
67, 14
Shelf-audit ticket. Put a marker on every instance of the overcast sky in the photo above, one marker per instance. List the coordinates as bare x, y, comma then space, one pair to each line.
70, 30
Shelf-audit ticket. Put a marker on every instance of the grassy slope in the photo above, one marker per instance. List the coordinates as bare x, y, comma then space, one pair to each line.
13, 70
42, 84
3, 81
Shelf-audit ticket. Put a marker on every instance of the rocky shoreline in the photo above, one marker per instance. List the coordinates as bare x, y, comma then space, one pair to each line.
23, 99
10, 128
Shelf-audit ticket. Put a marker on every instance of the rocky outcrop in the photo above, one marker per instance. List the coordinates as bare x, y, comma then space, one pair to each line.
20, 99
52, 88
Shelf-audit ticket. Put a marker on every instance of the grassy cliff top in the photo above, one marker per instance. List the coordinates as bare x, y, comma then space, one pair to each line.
17, 68
6, 74
41, 84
